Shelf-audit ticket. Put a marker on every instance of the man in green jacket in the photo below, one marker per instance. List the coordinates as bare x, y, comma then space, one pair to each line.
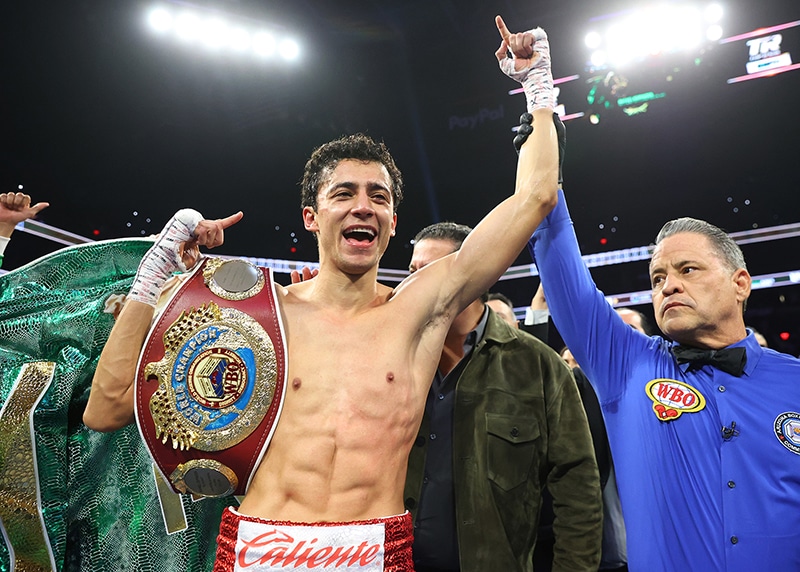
503, 419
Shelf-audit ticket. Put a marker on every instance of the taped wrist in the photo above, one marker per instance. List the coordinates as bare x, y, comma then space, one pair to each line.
163, 258
536, 79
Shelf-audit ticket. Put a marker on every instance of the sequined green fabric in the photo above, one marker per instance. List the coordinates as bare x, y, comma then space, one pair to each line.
96, 493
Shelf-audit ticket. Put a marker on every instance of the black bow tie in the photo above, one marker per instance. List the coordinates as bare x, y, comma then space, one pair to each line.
729, 360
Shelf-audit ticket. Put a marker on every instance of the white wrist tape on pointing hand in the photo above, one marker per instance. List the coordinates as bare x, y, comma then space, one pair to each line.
536, 79
163, 258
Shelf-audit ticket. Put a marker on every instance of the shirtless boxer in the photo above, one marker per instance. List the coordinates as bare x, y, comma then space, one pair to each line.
361, 355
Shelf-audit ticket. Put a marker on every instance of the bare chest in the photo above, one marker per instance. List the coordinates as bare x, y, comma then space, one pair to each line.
364, 364
349, 382
345, 351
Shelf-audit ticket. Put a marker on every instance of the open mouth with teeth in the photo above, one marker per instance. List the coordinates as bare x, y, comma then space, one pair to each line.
360, 235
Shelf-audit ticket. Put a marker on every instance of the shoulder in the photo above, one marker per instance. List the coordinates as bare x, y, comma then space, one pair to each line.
432, 283
777, 360
385, 293
533, 343
301, 291
296, 301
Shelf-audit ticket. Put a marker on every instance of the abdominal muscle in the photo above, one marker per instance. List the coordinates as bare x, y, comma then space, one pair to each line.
340, 449
328, 474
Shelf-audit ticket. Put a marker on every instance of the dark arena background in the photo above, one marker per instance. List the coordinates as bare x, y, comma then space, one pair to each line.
119, 113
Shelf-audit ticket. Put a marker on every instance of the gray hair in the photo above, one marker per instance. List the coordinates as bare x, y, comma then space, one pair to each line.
723, 245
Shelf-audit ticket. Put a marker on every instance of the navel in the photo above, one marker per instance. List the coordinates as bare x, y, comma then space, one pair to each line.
296, 383
390, 377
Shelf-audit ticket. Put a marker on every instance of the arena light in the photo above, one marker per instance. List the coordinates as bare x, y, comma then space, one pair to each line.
289, 49
593, 40
160, 20
598, 58
239, 39
187, 26
214, 33
264, 44
219, 33
714, 33
646, 32
713, 13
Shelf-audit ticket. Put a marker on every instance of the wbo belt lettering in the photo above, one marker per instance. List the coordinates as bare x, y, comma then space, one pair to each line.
283, 551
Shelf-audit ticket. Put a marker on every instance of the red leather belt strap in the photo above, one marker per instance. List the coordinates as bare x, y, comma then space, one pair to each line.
211, 378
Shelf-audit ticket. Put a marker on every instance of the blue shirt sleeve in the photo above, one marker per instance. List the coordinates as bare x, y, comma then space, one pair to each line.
598, 338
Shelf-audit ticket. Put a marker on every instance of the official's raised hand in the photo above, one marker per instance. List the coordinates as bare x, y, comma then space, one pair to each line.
526, 128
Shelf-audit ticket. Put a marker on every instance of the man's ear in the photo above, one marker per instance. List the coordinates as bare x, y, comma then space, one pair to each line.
310, 219
394, 225
743, 284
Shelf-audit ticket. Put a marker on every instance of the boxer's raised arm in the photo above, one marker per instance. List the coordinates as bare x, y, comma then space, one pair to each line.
458, 279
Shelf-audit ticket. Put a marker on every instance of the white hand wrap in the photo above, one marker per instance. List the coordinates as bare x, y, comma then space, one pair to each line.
536, 79
163, 258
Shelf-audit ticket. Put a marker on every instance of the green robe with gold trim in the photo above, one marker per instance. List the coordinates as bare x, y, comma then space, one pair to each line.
72, 499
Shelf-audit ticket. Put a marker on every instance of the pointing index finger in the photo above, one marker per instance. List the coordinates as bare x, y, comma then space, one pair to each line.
501, 27
231, 220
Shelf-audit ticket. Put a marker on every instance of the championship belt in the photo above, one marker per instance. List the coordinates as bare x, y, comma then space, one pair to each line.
211, 379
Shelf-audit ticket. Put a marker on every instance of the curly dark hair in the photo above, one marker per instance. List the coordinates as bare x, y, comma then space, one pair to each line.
326, 157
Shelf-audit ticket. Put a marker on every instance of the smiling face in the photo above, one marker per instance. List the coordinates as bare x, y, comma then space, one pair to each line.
697, 299
354, 218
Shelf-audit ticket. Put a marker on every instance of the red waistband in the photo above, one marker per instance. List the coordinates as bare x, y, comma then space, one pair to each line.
399, 536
